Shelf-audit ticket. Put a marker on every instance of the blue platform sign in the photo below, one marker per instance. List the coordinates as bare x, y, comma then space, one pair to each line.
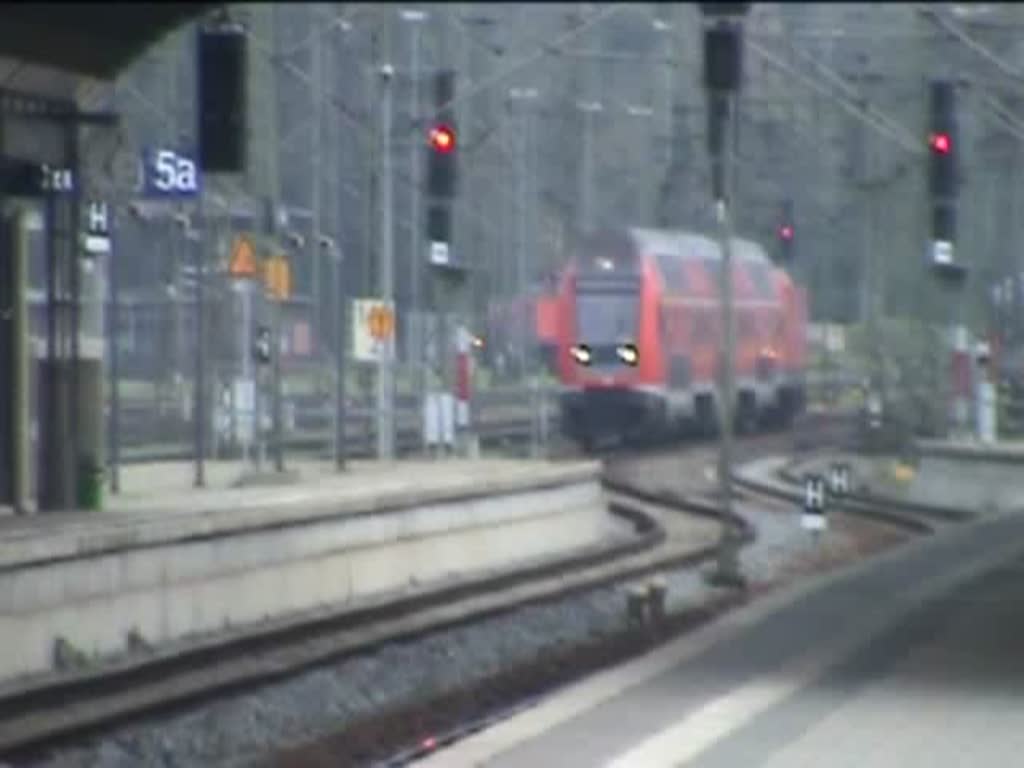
169, 173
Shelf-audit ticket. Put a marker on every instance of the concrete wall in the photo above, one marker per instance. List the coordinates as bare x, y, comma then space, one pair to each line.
167, 591
970, 478
974, 477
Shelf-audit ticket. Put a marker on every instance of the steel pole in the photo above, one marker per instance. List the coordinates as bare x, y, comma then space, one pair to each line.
51, 394
727, 566
867, 279
113, 326
415, 234
385, 371
75, 372
586, 182
315, 176
341, 318
199, 394
521, 255
529, 270
245, 350
277, 393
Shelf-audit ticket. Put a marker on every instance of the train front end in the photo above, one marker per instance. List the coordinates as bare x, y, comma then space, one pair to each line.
602, 363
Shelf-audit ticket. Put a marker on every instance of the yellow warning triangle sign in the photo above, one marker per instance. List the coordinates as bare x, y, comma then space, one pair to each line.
243, 258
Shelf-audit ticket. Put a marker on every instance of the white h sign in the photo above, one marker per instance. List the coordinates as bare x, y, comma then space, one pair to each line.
98, 220
97, 238
813, 518
942, 252
439, 254
814, 494
839, 478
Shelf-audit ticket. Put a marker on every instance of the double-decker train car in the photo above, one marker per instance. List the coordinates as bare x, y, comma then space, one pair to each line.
640, 336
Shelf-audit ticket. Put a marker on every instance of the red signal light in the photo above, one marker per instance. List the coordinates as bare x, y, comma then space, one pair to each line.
941, 143
786, 232
442, 139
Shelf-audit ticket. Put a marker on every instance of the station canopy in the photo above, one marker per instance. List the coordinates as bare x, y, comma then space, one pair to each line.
94, 40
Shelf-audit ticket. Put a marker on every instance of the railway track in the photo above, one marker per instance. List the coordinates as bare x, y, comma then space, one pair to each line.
451, 717
70, 708
61, 709
362, 445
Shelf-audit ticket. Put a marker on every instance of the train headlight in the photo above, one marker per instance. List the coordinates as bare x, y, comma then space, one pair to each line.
628, 354
581, 354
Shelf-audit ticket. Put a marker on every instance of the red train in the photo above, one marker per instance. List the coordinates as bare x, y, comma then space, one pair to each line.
640, 337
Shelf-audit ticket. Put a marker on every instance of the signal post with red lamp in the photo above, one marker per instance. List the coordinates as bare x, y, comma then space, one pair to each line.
723, 76
786, 233
442, 139
943, 187
442, 152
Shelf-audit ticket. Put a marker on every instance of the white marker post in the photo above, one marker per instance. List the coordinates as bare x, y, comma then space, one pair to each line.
839, 479
813, 518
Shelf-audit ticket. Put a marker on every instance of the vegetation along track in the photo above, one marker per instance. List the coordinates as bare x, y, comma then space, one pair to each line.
71, 707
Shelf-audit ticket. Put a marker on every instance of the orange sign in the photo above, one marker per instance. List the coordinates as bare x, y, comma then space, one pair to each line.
381, 322
243, 258
277, 277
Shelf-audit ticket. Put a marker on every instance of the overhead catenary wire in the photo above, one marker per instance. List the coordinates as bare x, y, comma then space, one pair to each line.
857, 110
1008, 121
360, 121
548, 49
852, 92
936, 18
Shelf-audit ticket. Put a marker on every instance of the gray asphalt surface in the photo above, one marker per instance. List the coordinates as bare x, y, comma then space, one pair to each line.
954, 659
943, 687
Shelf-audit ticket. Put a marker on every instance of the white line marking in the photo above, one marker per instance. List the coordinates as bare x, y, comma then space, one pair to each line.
683, 742
576, 699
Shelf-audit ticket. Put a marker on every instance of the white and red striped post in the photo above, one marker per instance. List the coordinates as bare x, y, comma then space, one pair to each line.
961, 378
463, 384
986, 416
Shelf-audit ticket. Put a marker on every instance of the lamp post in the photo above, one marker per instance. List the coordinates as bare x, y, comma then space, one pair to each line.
334, 251
415, 18
722, 78
385, 370
586, 220
524, 96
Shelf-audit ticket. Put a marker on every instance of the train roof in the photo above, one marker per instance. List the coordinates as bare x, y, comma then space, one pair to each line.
693, 245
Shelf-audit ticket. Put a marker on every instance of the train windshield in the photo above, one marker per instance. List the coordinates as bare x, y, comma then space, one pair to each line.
607, 319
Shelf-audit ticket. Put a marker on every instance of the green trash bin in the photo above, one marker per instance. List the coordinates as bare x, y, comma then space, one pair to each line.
90, 486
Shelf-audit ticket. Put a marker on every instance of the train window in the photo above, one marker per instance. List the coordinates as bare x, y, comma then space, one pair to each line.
673, 325
606, 318
667, 325
714, 271
762, 281
746, 325
672, 272
679, 372
703, 328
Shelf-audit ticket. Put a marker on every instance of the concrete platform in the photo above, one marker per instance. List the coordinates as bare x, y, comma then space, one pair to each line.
907, 658
165, 564
973, 475
158, 505
1011, 451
